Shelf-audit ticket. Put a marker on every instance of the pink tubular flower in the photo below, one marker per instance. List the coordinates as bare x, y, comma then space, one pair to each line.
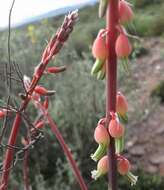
101, 135
115, 129
102, 168
41, 90
123, 47
125, 12
123, 166
99, 48
121, 104
55, 70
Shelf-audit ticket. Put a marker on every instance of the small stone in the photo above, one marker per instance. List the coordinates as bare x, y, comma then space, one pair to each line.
160, 130
151, 169
137, 151
131, 142
161, 169
157, 159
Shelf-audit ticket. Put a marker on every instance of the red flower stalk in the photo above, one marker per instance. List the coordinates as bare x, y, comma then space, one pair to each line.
111, 83
66, 151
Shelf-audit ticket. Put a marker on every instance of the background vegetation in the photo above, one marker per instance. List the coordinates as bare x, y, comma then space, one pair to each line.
79, 101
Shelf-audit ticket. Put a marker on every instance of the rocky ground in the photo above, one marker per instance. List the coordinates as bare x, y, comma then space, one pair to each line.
145, 142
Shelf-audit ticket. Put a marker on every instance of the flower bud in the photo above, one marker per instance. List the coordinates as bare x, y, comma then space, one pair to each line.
41, 90
99, 48
121, 104
102, 168
2, 114
101, 135
125, 12
55, 70
123, 47
115, 129
123, 166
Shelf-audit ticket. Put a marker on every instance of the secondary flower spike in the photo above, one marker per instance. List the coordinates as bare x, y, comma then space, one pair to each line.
123, 47
125, 12
102, 168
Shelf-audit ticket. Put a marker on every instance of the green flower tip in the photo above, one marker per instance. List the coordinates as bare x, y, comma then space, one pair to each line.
132, 178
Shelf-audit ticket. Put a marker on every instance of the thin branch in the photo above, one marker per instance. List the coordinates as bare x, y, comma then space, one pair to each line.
10, 70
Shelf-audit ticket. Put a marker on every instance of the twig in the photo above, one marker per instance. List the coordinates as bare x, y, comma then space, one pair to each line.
10, 80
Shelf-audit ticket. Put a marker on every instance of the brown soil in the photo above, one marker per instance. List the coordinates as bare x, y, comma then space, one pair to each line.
145, 143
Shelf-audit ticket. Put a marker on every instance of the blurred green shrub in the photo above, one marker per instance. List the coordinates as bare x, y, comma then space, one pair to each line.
158, 91
143, 3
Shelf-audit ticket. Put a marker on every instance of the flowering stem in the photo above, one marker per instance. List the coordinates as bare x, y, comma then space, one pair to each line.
67, 152
111, 83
